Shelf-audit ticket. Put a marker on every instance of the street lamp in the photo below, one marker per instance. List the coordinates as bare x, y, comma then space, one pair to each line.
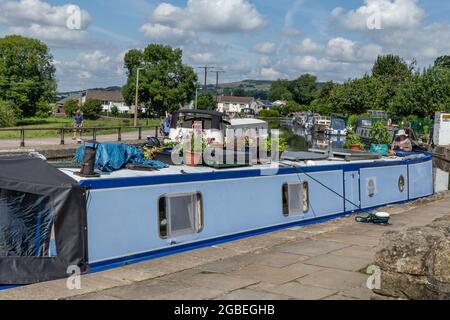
196, 96
137, 97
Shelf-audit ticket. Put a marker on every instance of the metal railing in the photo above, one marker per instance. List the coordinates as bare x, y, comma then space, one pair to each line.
94, 130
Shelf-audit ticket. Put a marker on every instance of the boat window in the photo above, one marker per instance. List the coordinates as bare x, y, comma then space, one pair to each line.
26, 224
180, 214
295, 198
401, 183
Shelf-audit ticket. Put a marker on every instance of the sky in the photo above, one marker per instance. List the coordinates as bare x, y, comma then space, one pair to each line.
248, 39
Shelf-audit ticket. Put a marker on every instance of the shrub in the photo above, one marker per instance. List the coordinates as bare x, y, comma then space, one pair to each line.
114, 110
9, 114
71, 107
43, 109
353, 139
379, 134
352, 120
269, 114
92, 109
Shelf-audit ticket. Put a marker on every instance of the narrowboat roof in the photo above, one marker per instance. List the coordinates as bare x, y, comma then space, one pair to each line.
187, 171
203, 112
247, 122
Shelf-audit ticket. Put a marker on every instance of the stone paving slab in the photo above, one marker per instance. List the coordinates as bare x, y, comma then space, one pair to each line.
334, 279
252, 295
297, 291
319, 261
312, 247
340, 262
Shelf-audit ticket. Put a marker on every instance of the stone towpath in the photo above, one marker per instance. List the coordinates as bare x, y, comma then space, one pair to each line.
322, 261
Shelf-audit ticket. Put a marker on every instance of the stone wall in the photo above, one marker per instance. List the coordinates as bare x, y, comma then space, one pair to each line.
415, 264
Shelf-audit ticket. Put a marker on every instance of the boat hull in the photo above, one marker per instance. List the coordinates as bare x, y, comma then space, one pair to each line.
123, 223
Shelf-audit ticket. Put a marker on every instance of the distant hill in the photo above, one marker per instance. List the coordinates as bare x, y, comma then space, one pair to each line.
62, 95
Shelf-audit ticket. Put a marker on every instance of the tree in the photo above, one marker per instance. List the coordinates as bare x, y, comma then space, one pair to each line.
423, 94
8, 114
206, 101
442, 62
71, 107
165, 83
27, 74
354, 96
304, 89
43, 109
91, 109
114, 110
279, 90
240, 92
392, 66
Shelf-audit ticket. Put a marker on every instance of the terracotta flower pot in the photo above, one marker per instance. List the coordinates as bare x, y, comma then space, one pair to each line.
192, 159
355, 147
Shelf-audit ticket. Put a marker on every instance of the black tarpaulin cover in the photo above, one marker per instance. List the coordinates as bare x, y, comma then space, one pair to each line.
42, 222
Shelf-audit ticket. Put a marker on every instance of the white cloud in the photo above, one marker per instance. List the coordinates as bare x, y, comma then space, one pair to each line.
307, 46
162, 33
290, 32
270, 73
99, 68
203, 57
266, 48
341, 49
219, 16
345, 50
39, 19
391, 14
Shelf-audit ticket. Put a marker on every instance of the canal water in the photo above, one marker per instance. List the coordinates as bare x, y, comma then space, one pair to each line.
298, 139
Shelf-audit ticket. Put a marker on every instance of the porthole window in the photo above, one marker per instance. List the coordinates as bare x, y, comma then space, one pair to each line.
401, 183
371, 187
295, 198
180, 214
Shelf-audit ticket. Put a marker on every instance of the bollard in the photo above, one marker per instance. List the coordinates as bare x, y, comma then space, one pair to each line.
119, 138
22, 137
62, 136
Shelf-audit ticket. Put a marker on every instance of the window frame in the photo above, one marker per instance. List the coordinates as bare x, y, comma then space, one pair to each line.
198, 216
285, 198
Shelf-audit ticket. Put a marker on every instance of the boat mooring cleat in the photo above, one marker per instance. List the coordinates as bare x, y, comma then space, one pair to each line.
376, 218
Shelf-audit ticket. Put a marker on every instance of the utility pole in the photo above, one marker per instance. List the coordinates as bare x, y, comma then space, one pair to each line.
217, 72
137, 97
206, 68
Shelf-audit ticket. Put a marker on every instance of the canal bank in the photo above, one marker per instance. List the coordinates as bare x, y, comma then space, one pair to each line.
321, 261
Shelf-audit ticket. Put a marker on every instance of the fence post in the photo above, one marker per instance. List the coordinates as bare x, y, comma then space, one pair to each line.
22, 137
140, 133
156, 132
119, 138
94, 134
62, 136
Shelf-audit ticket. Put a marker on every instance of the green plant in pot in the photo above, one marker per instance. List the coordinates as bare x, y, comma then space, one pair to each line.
380, 138
353, 142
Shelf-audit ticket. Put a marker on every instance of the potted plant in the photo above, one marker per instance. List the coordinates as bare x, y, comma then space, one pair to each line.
380, 139
192, 153
353, 142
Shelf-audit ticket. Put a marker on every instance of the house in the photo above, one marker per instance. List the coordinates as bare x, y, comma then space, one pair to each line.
279, 103
234, 105
263, 105
109, 99
59, 110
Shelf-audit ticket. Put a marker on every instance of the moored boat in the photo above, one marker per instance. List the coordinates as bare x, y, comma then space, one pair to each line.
128, 216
